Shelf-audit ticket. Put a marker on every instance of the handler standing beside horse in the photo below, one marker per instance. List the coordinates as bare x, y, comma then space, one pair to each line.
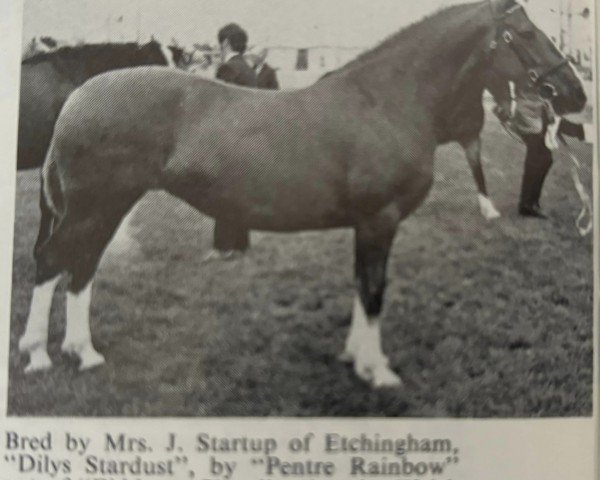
230, 236
533, 119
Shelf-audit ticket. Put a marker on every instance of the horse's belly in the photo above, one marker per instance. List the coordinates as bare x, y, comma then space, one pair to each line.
260, 192
296, 217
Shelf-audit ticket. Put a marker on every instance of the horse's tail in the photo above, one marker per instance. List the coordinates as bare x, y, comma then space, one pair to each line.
51, 199
52, 194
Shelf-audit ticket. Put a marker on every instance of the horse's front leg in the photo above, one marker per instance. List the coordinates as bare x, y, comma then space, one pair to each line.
372, 246
472, 149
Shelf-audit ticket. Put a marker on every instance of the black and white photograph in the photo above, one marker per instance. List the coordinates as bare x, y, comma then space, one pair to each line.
318, 208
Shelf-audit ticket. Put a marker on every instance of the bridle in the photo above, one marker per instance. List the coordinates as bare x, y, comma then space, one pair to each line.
503, 33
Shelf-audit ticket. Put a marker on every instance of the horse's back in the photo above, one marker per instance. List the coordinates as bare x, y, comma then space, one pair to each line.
145, 106
130, 100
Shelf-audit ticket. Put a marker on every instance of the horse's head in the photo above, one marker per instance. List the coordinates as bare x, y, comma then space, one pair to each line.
157, 53
522, 52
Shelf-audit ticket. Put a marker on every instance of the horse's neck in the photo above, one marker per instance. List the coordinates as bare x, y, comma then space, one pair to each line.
437, 74
79, 69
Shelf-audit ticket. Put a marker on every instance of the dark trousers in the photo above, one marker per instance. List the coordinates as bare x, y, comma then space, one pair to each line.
538, 161
230, 235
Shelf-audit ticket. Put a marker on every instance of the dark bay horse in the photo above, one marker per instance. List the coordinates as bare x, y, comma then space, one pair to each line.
47, 79
356, 149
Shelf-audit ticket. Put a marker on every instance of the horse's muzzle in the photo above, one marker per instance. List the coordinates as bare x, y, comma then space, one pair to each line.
580, 98
574, 102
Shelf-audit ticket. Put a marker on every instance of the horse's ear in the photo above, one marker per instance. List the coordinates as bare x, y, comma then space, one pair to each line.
502, 6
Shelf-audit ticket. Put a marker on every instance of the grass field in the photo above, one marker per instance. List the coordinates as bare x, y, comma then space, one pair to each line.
481, 319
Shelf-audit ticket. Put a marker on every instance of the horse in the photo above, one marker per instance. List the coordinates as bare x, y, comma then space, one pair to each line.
47, 80
353, 150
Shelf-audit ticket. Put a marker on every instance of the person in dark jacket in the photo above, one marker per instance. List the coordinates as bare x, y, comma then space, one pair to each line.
231, 237
233, 41
266, 76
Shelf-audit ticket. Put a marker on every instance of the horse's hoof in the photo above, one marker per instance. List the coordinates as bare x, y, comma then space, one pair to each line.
379, 376
492, 215
346, 357
39, 361
91, 360
386, 379
88, 356
364, 373
487, 208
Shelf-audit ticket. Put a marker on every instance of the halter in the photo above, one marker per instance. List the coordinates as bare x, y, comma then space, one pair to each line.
504, 33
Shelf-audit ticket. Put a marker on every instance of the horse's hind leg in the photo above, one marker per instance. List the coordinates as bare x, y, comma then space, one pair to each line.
373, 242
93, 233
74, 247
35, 338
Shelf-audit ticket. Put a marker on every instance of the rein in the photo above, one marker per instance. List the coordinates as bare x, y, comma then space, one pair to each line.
587, 209
586, 201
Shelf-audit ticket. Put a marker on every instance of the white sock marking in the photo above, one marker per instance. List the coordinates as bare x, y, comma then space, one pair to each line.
35, 339
487, 208
78, 337
370, 362
358, 326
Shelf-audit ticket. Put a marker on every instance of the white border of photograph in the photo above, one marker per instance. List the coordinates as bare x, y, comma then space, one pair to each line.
548, 449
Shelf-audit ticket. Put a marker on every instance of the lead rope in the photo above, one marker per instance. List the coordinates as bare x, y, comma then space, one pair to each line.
553, 142
586, 201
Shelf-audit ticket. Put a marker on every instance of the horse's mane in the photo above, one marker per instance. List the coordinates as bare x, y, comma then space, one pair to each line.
409, 37
83, 52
